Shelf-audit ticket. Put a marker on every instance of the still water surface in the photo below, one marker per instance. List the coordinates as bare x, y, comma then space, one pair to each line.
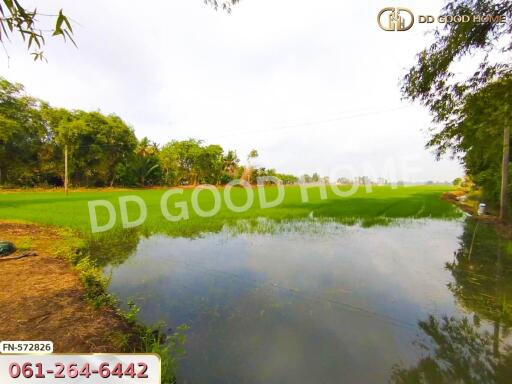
320, 302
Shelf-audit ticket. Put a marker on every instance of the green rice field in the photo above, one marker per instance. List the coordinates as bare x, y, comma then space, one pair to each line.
377, 206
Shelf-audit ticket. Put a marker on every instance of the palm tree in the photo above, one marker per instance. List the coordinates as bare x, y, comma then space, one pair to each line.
253, 154
146, 161
230, 163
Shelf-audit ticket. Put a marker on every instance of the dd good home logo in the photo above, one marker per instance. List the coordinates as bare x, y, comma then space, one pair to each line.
402, 19
395, 19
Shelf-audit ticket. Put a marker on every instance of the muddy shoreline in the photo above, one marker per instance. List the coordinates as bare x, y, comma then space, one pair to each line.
42, 297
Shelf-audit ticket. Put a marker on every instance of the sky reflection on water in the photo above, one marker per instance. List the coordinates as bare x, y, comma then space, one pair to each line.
299, 302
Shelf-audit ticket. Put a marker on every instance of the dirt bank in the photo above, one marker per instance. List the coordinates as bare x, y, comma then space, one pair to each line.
504, 229
42, 298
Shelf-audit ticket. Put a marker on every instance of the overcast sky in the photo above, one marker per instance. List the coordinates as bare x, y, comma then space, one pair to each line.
312, 85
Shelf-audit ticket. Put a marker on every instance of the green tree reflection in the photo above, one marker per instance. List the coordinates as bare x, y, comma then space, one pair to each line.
114, 248
482, 272
477, 350
457, 351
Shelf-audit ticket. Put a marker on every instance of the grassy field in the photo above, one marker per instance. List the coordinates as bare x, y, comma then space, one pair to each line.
54, 208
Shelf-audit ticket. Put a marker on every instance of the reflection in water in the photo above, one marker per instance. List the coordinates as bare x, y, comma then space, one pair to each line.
460, 350
315, 300
482, 270
113, 248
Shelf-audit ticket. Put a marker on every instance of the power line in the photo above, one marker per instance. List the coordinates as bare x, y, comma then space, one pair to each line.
274, 129
315, 122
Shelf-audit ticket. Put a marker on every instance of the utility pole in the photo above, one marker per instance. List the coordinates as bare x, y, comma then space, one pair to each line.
66, 169
504, 170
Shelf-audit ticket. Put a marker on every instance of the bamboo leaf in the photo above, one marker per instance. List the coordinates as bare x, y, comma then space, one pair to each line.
70, 38
66, 21
9, 5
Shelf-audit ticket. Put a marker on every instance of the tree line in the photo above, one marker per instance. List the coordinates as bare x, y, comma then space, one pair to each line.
103, 151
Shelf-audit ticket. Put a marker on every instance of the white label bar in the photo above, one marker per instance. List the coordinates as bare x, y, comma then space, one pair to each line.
72, 369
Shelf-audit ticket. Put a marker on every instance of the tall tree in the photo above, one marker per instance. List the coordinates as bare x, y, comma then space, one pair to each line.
249, 170
477, 136
146, 162
231, 162
188, 154
22, 134
169, 162
433, 80
96, 144
210, 164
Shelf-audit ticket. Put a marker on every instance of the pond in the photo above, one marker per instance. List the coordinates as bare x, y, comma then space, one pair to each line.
316, 301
